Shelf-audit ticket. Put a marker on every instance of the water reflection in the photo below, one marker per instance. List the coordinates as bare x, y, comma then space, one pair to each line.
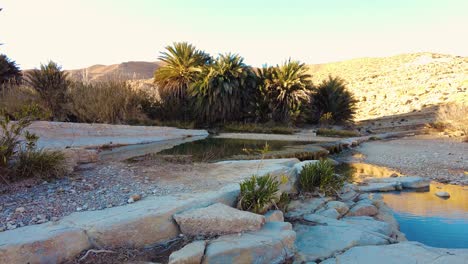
422, 215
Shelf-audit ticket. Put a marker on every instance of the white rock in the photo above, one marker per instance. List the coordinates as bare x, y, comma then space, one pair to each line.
274, 216
217, 219
402, 253
190, 254
410, 182
331, 213
341, 207
20, 210
298, 208
363, 209
274, 243
442, 194
380, 187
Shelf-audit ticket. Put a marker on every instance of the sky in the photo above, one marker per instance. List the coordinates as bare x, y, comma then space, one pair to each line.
81, 33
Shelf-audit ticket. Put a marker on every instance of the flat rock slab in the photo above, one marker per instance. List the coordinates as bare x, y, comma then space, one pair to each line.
402, 253
138, 224
380, 187
274, 243
217, 219
329, 236
363, 208
190, 254
33, 244
63, 134
408, 182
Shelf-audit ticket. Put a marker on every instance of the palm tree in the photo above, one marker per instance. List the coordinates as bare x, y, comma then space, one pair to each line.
51, 83
182, 65
9, 71
225, 91
332, 98
287, 86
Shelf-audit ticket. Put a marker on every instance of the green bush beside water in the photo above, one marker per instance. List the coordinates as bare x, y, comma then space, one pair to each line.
321, 177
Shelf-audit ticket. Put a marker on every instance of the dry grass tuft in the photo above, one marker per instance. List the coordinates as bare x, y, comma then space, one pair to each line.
453, 118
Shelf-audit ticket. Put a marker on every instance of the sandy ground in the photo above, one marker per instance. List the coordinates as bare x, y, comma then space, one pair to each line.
61, 134
441, 159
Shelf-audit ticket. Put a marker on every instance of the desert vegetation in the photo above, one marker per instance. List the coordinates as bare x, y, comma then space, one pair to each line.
194, 89
19, 155
320, 177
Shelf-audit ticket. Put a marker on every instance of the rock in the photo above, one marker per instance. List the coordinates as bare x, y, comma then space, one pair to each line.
274, 243
394, 175
331, 213
298, 208
410, 182
274, 216
20, 210
190, 254
322, 241
363, 209
77, 156
380, 187
299, 166
404, 253
370, 224
217, 219
134, 198
442, 194
47, 244
386, 215
341, 207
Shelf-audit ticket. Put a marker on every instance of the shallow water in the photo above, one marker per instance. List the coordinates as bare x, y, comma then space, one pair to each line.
215, 149
423, 216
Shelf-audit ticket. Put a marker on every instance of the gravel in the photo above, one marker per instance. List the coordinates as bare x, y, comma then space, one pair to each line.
98, 187
443, 160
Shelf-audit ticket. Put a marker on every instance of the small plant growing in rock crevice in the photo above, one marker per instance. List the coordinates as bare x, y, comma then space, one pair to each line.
320, 176
258, 194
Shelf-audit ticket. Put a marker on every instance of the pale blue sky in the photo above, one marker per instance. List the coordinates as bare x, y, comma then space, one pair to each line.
79, 33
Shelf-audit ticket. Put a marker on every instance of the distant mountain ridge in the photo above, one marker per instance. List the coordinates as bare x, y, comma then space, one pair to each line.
132, 70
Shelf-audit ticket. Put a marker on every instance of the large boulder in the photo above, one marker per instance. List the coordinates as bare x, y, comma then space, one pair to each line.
190, 254
217, 219
340, 207
402, 253
49, 244
363, 208
330, 236
274, 243
380, 187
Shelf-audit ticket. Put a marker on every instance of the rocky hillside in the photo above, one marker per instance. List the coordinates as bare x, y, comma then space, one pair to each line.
132, 70
394, 86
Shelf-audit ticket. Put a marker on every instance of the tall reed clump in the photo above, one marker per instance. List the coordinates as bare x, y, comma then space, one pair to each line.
14, 98
321, 177
105, 102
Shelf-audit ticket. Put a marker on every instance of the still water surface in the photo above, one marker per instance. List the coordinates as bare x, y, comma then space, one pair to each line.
423, 216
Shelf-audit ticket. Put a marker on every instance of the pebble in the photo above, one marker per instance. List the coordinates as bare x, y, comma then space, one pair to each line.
443, 194
20, 210
134, 198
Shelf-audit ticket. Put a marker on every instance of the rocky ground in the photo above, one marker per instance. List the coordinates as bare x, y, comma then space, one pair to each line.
109, 184
441, 159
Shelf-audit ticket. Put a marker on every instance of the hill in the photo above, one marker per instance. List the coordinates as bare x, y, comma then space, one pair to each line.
397, 85
132, 70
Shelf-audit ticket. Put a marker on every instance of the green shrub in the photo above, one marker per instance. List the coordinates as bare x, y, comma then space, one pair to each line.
51, 83
320, 176
332, 97
9, 71
45, 164
326, 132
258, 194
14, 98
19, 158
